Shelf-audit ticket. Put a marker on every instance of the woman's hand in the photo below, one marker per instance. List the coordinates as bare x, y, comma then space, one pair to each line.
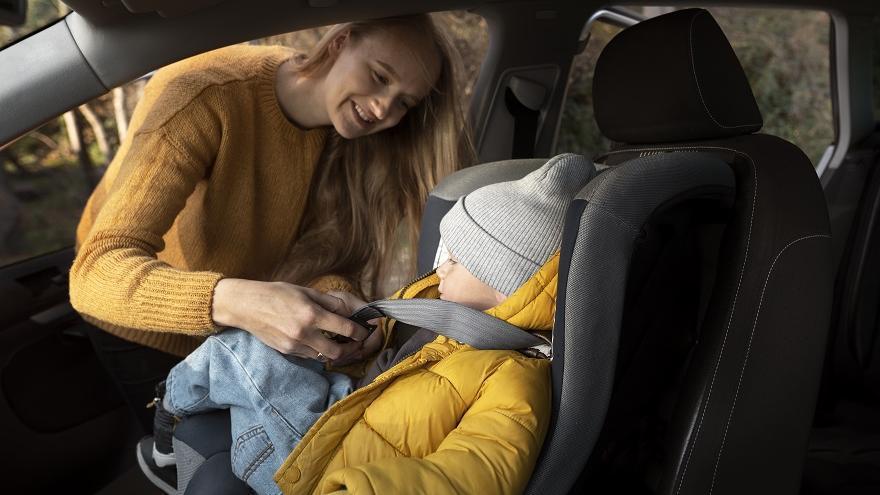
287, 317
371, 344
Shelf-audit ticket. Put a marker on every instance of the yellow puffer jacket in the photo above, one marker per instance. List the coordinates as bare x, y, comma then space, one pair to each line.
448, 419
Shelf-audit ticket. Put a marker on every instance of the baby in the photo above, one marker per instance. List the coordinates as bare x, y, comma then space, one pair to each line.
430, 412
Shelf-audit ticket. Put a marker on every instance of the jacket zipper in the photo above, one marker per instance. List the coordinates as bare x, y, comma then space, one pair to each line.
415, 281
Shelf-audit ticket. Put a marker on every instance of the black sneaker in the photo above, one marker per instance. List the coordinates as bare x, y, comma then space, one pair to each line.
165, 478
163, 430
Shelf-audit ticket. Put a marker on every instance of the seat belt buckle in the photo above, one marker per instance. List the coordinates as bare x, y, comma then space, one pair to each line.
540, 351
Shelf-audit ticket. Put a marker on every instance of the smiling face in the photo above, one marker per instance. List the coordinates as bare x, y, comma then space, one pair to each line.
458, 285
377, 77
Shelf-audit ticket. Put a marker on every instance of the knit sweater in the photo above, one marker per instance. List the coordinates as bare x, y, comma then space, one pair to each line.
210, 182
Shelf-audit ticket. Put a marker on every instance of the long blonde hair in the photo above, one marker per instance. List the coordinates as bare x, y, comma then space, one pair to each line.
364, 188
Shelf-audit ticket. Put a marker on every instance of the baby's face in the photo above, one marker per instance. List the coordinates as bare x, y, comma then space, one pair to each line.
458, 285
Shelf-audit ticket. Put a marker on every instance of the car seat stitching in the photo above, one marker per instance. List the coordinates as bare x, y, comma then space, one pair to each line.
692, 444
697, 80
749, 349
594, 190
623, 222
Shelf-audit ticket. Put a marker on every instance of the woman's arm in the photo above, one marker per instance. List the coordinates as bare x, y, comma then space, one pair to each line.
117, 278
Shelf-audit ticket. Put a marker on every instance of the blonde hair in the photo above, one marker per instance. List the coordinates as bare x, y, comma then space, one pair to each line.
364, 188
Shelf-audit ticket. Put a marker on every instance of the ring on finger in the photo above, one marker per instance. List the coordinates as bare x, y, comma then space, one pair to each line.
321, 357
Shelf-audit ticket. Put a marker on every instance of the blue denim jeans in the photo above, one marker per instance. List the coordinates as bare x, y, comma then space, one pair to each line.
273, 399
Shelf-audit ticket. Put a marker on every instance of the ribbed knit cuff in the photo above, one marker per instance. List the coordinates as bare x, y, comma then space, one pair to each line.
180, 301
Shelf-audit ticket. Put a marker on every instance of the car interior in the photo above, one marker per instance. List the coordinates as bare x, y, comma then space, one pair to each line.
717, 317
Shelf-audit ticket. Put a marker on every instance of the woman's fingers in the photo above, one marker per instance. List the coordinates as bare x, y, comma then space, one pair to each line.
332, 321
326, 349
328, 301
351, 301
289, 318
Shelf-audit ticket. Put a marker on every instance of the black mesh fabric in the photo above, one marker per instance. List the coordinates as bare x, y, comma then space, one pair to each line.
594, 267
744, 409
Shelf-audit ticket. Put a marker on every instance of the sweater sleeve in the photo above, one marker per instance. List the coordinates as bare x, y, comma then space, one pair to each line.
116, 276
492, 450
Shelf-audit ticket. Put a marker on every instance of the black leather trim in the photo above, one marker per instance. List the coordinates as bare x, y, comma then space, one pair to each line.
671, 78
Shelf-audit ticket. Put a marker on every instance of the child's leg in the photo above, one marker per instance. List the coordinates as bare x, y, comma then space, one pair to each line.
273, 399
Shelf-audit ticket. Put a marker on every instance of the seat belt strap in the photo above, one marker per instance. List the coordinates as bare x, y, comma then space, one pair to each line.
525, 127
466, 325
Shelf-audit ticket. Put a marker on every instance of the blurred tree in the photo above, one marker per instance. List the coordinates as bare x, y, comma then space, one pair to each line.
120, 113
100, 137
75, 138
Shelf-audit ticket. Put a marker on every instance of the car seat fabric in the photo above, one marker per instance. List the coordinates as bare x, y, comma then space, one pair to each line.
741, 417
202, 444
602, 226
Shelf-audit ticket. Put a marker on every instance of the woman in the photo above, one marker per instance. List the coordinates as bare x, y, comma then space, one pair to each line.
248, 173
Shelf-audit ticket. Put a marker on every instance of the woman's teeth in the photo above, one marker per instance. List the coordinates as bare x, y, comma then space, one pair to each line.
362, 114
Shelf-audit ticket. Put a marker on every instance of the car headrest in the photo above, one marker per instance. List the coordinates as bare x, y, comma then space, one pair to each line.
671, 78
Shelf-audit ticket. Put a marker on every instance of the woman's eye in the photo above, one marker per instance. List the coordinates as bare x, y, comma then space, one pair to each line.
380, 78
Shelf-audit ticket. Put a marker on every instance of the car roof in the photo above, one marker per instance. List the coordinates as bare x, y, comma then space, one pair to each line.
317, 12
106, 43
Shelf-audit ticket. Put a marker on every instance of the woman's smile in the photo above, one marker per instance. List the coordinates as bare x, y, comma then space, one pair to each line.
364, 114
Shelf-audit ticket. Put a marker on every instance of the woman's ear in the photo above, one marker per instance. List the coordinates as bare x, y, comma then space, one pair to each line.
340, 41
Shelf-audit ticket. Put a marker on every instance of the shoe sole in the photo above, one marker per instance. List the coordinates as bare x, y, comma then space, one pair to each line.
163, 460
159, 482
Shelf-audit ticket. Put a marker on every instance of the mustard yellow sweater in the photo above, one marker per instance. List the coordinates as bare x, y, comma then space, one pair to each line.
210, 182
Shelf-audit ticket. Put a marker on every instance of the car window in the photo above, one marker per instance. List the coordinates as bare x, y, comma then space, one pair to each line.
47, 175
578, 131
40, 13
785, 55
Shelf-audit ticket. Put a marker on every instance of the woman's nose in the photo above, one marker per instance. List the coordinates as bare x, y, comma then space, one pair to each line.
379, 106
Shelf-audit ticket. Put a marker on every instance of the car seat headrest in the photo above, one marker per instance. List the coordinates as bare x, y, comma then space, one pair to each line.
672, 78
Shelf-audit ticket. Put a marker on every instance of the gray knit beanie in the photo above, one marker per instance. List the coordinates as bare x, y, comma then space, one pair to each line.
503, 233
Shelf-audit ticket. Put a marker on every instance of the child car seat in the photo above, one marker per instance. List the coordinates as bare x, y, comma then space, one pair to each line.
736, 394
735, 414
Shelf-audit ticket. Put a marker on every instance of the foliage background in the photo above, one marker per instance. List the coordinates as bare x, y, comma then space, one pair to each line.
46, 177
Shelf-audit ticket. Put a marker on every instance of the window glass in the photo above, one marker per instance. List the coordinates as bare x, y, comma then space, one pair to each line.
46, 176
578, 131
40, 13
785, 55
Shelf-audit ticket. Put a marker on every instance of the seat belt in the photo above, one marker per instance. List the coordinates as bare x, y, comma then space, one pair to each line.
524, 99
456, 321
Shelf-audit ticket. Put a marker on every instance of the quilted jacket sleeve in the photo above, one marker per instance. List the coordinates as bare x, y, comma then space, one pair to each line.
492, 450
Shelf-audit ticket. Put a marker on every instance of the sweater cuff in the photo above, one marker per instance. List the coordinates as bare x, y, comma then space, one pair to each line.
180, 302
